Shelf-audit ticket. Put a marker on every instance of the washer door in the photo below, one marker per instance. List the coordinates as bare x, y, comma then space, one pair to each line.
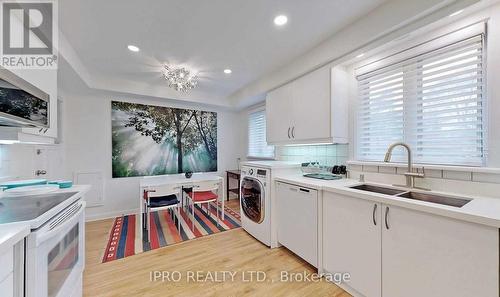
252, 199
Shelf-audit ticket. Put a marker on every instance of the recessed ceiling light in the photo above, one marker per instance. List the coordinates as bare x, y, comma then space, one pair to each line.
280, 20
360, 55
227, 71
133, 48
456, 13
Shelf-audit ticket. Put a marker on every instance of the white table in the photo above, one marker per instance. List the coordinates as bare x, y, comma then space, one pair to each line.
178, 180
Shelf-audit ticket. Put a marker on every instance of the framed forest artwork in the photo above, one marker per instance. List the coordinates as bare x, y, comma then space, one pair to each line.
156, 140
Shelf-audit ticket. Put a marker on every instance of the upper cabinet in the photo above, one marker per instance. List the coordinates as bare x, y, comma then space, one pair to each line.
32, 81
46, 80
311, 109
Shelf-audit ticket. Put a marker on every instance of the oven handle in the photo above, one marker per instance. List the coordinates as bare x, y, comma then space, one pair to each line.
55, 231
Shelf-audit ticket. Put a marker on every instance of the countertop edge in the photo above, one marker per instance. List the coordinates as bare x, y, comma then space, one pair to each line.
462, 214
12, 233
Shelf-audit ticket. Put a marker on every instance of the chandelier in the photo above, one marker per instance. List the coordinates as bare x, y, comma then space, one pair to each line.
180, 78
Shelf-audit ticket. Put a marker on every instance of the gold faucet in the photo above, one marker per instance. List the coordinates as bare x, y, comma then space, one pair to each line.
410, 175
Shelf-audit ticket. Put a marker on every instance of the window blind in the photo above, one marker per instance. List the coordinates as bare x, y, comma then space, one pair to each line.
433, 101
257, 145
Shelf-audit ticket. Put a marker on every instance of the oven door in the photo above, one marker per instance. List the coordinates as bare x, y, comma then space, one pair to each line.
55, 255
252, 199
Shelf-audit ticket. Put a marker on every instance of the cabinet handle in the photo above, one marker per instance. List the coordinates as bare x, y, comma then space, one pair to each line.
288, 132
293, 132
293, 189
374, 215
386, 220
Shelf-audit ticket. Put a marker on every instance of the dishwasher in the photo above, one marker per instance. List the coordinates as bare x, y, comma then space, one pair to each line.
297, 220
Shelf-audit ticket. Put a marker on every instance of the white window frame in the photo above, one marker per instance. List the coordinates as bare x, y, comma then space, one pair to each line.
414, 48
249, 155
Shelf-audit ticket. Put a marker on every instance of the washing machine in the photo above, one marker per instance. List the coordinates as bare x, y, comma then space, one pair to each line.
255, 203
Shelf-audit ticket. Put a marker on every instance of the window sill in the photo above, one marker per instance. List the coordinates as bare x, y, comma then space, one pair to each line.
490, 170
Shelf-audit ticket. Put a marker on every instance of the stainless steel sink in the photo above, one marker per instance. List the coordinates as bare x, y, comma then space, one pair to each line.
433, 198
377, 189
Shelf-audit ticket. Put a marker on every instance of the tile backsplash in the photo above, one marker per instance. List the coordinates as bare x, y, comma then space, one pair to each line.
328, 154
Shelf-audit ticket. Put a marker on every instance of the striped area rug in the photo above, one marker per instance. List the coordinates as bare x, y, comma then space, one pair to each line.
123, 240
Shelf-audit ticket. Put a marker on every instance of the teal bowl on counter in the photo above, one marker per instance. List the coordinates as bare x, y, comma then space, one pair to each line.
63, 184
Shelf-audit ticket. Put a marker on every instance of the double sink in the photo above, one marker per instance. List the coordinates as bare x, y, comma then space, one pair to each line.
421, 196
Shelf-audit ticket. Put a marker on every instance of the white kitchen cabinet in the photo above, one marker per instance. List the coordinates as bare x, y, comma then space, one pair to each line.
297, 214
429, 255
7, 286
50, 131
278, 114
45, 80
310, 109
352, 242
391, 251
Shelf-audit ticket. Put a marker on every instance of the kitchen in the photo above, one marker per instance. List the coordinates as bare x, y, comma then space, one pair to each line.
310, 148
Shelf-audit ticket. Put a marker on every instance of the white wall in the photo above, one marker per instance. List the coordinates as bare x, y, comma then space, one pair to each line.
391, 20
86, 139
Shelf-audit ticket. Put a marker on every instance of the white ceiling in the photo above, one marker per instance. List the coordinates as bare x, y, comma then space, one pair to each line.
204, 35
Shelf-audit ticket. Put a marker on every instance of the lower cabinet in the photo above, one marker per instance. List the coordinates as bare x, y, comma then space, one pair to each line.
352, 242
393, 252
434, 256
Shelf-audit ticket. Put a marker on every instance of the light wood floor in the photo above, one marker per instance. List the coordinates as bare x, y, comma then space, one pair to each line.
232, 250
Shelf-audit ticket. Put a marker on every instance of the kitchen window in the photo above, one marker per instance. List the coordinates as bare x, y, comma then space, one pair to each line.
257, 145
433, 100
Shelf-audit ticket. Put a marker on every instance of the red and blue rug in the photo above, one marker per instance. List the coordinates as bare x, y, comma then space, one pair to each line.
123, 239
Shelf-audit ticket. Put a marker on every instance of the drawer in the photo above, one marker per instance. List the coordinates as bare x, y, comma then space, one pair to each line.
7, 263
7, 286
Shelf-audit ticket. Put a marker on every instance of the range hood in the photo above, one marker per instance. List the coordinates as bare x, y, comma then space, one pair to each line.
21, 103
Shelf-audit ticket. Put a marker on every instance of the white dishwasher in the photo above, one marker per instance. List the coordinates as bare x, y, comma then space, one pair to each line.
297, 214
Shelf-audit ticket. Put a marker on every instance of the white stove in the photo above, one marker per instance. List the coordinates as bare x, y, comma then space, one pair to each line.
54, 250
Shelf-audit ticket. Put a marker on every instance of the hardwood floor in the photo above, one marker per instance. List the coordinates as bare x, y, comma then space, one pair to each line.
234, 251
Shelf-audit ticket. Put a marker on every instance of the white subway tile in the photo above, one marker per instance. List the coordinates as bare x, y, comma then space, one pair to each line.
432, 173
486, 177
355, 168
341, 160
370, 168
387, 170
457, 175
342, 150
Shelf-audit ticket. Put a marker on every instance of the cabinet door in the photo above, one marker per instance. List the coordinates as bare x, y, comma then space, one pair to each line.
297, 209
352, 242
278, 115
429, 255
312, 106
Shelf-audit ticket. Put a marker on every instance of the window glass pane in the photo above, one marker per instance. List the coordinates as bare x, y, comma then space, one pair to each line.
433, 101
257, 145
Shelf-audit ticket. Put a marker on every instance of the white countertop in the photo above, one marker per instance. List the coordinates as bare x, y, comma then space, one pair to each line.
481, 210
12, 233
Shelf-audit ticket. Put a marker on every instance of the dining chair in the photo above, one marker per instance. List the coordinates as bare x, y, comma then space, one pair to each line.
203, 192
161, 197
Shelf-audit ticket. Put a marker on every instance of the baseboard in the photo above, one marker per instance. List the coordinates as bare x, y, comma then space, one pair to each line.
109, 215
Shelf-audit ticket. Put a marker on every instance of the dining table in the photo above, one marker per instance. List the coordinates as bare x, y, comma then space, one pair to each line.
179, 180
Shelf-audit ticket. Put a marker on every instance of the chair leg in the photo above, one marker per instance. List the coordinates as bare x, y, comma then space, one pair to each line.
192, 216
148, 224
178, 220
217, 215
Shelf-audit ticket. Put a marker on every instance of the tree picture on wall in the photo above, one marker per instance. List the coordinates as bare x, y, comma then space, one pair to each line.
155, 140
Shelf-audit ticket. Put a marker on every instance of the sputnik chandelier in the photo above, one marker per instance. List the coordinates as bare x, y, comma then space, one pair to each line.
179, 78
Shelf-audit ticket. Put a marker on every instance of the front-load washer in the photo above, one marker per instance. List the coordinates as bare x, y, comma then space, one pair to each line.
255, 202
